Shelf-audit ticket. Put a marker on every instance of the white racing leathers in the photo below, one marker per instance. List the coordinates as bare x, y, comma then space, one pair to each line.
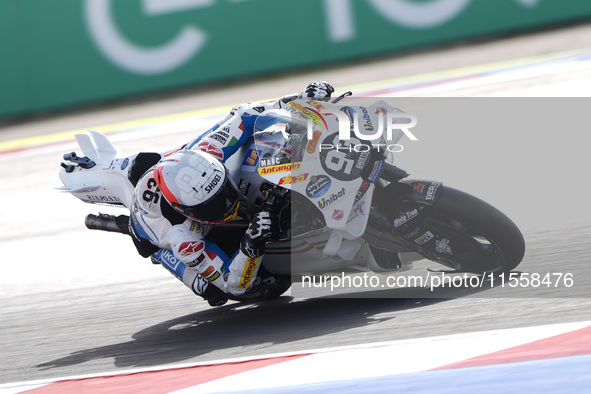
184, 248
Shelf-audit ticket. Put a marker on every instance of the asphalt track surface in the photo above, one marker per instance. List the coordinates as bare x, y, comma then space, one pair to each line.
79, 302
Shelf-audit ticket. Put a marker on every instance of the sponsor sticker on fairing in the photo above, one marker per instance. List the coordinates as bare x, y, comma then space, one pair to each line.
338, 214
252, 158
124, 164
432, 190
318, 186
358, 209
376, 171
423, 239
311, 147
405, 217
361, 192
331, 199
107, 199
279, 168
309, 113
289, 179
442, 246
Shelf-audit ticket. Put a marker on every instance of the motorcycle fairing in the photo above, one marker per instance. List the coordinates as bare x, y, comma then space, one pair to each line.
92, 185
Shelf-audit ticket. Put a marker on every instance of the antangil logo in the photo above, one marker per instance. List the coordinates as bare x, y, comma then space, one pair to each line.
279, 168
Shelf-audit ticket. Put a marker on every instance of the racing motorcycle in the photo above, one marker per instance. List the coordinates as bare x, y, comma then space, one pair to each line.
339, 205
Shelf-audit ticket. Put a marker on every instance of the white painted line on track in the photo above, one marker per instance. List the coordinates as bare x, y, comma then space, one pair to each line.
383, 359
338, 364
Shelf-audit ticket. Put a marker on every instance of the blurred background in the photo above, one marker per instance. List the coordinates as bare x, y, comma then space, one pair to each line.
76, 54
151, 74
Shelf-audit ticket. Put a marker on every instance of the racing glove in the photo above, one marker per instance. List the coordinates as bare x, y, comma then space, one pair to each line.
317, 91
258, 233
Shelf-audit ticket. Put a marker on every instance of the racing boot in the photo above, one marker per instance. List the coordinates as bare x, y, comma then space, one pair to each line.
214, 296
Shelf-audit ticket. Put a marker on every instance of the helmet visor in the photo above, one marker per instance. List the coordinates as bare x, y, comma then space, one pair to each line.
221, 207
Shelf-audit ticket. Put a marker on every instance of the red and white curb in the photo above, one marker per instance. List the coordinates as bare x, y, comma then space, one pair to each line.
326, 368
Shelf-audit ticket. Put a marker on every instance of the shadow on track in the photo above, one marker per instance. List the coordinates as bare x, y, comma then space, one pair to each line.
271, 323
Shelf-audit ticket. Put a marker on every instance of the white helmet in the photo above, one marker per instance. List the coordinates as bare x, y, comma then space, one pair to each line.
198, 186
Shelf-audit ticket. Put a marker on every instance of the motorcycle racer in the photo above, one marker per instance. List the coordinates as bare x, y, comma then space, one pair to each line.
177, 201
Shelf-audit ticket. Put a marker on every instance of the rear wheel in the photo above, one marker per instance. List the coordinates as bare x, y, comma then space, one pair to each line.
471, 235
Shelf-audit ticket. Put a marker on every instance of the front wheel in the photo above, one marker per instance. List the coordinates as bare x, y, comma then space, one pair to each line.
468, 234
